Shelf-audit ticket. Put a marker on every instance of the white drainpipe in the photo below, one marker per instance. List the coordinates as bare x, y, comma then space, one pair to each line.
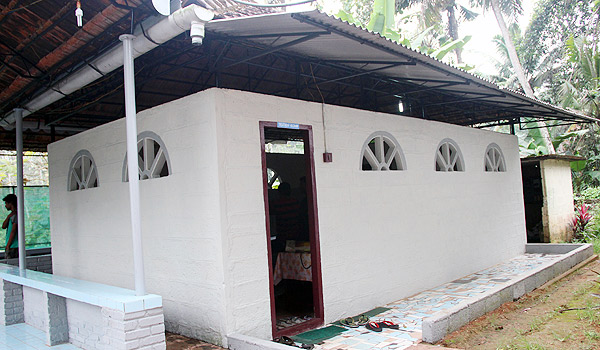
163, 31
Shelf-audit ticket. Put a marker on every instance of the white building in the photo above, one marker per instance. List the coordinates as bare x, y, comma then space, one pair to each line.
403, 191
376, 236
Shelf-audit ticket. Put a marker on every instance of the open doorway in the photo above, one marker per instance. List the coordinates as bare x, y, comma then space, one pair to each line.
533, 197
291, 217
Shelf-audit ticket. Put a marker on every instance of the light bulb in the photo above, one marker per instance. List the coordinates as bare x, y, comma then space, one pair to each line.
79, 14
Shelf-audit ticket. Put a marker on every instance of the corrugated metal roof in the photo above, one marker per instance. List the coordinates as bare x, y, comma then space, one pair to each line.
306, 55
361, 49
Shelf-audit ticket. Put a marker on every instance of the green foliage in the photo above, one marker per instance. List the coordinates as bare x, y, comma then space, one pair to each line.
542, 48
589, 194
581, 89
358, 10
591, 234
586, 173
382, 17
432, 38
531, 142
37, 216
551, 24
418, 42
35, 168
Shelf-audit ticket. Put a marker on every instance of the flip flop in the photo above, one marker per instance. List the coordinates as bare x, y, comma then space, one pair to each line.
388, 324
373, 326
362, 320
349, 322
285, 340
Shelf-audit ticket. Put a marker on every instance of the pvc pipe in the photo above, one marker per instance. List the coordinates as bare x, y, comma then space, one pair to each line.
163, 31
132, 163
20, 192
40, 126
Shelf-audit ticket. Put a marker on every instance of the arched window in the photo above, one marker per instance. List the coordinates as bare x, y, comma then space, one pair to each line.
82, 172
153, 158
448, 157
381, 151
494, 159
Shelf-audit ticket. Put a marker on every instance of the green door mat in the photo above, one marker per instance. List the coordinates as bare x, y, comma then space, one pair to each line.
376, 311
370, 313
318, 335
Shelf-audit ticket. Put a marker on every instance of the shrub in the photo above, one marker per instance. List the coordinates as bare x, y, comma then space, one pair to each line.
580, 220
589, 194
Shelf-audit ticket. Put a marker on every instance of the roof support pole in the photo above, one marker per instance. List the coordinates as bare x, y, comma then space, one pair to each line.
132, 163
20, 192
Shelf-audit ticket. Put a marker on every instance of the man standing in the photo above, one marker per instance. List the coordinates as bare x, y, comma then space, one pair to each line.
11, 249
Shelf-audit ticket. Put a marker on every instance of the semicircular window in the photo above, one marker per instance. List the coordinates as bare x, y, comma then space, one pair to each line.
153, 158
381, 152
448, 157
82, 172
494, 159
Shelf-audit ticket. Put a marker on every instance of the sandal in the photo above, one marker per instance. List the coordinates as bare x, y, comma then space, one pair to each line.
362, 320
388, 324
373, 326
285, 340
349, 322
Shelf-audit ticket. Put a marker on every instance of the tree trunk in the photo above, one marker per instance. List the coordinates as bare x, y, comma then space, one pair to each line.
514, 59
453, 31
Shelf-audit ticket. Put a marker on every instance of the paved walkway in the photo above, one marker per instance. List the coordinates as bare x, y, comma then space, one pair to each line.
24, 337
410, 312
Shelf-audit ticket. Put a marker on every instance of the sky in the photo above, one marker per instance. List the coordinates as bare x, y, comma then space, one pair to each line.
480, 51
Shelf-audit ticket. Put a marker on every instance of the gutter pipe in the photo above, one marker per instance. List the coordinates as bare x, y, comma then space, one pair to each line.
192, 17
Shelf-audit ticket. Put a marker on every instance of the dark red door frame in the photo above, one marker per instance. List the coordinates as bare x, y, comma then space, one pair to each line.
313, 224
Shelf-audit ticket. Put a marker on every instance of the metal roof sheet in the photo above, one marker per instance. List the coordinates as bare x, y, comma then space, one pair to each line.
335, 40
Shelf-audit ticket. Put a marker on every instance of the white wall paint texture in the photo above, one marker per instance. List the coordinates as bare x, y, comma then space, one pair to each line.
384, 235
558, 199
33, 308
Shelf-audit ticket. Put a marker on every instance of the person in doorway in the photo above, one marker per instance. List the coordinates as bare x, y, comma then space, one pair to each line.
11, 249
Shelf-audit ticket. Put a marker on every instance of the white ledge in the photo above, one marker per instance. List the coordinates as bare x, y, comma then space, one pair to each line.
84, 291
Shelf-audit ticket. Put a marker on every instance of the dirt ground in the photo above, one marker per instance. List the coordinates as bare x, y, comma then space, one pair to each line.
179, 342
542, 319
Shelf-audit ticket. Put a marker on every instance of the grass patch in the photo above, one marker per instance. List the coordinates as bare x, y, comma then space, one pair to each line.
592, 335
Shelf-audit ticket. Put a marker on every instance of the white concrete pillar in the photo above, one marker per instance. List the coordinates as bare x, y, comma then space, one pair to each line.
18, 112
132, 163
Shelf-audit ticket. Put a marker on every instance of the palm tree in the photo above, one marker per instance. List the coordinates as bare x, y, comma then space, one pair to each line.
512, 8
431, 16
581, 89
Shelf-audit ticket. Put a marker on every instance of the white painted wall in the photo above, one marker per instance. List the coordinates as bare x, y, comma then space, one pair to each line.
33, 308
384, 235
558, 199
91, 235
86, 325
